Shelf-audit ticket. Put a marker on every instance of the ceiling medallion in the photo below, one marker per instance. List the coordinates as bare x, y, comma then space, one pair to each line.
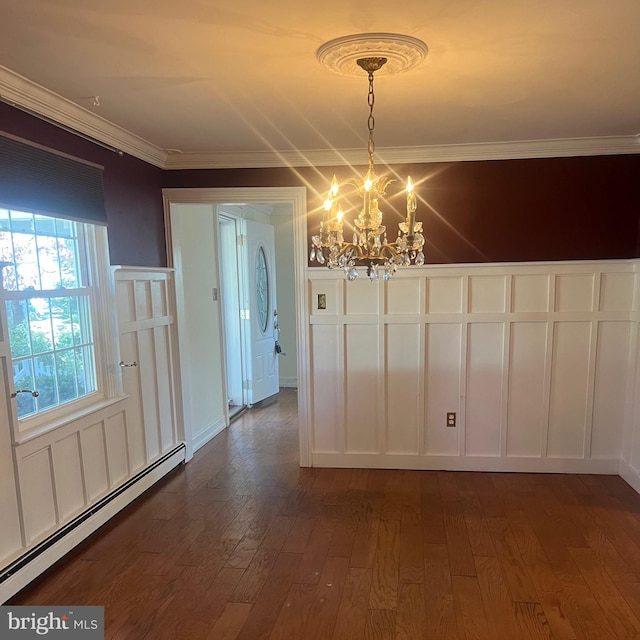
402, 53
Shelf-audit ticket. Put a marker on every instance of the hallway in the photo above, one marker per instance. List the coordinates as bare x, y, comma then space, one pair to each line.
241, 543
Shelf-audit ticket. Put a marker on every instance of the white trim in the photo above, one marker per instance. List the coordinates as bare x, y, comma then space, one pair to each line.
181, 371
288, 382
209, 432
630, 475
22, 92
32, 570
465, 463
559, 148
296, 198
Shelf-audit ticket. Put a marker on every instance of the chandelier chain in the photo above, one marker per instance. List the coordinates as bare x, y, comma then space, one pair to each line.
371, 146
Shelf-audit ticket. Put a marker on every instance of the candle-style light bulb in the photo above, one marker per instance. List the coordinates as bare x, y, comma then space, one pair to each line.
411, 207
333, 191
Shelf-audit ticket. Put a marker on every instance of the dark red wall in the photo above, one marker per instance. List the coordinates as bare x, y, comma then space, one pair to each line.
489, 211
132, 188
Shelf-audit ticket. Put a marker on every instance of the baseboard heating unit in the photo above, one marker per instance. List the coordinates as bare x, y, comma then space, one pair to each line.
21, 571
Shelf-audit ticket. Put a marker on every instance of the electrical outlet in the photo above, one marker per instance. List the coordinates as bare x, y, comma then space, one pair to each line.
322, 301
451, 418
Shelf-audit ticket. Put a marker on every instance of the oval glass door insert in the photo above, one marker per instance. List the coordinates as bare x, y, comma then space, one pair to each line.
262, 289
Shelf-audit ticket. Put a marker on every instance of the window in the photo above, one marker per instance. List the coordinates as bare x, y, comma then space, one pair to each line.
50, 299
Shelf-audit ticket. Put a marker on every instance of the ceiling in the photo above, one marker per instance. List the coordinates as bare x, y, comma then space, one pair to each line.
239, 78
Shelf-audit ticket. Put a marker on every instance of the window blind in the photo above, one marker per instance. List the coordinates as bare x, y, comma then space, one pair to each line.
35, 179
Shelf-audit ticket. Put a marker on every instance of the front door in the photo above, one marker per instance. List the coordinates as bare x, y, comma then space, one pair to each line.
263, 315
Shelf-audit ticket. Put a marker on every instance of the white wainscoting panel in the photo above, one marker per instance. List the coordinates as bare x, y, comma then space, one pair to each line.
610, 401
569, 389
527, 414
115, 434
145, 322
68, 481
362, 378
443, 390
328, 390
534, 359
484, 388
404, 384
38, 495
63, 471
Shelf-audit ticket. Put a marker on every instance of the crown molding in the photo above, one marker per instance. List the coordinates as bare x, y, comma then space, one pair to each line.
23, 93
17, 90
559, 148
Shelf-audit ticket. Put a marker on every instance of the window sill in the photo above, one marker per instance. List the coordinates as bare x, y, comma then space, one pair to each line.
29, 434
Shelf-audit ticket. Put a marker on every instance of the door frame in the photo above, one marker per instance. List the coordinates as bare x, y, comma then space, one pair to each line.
296, 197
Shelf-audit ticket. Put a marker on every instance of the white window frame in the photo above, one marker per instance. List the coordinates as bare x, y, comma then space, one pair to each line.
104, 328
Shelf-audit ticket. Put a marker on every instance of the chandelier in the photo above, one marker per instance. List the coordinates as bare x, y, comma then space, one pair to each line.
370, 246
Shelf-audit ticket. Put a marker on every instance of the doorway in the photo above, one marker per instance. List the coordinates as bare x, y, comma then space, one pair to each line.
294, 338
232, 286
249, 286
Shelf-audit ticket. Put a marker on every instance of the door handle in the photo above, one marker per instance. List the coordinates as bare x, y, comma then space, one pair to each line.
124, 364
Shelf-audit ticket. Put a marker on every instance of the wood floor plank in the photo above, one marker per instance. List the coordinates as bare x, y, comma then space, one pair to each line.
364, 546
344, 537
254, 577
384, 586
439, 602
623, 620
469, 609
294, 612
352, 613
537, 564
298, 537
477, 529
326, 602
582, 608
265, 611
513, 566
411, 616
556, 612
532, 621
411, 568
458, 545
498, 605
231, 620
433, 531
610, 558
316, 552
381, 625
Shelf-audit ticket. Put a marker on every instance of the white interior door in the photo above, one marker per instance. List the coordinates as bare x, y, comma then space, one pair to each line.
263, 315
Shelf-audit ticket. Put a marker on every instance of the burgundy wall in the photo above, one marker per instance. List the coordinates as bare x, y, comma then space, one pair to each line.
132, 188
488, 211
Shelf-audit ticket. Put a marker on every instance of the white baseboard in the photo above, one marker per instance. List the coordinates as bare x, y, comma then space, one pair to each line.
630, 475
52, 554
288, 383
210, 431
460, 463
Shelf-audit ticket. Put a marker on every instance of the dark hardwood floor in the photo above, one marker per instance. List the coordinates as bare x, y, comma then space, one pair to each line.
243, 544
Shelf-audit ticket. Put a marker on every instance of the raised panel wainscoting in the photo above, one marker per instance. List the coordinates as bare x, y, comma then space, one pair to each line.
74, 477
536, 360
